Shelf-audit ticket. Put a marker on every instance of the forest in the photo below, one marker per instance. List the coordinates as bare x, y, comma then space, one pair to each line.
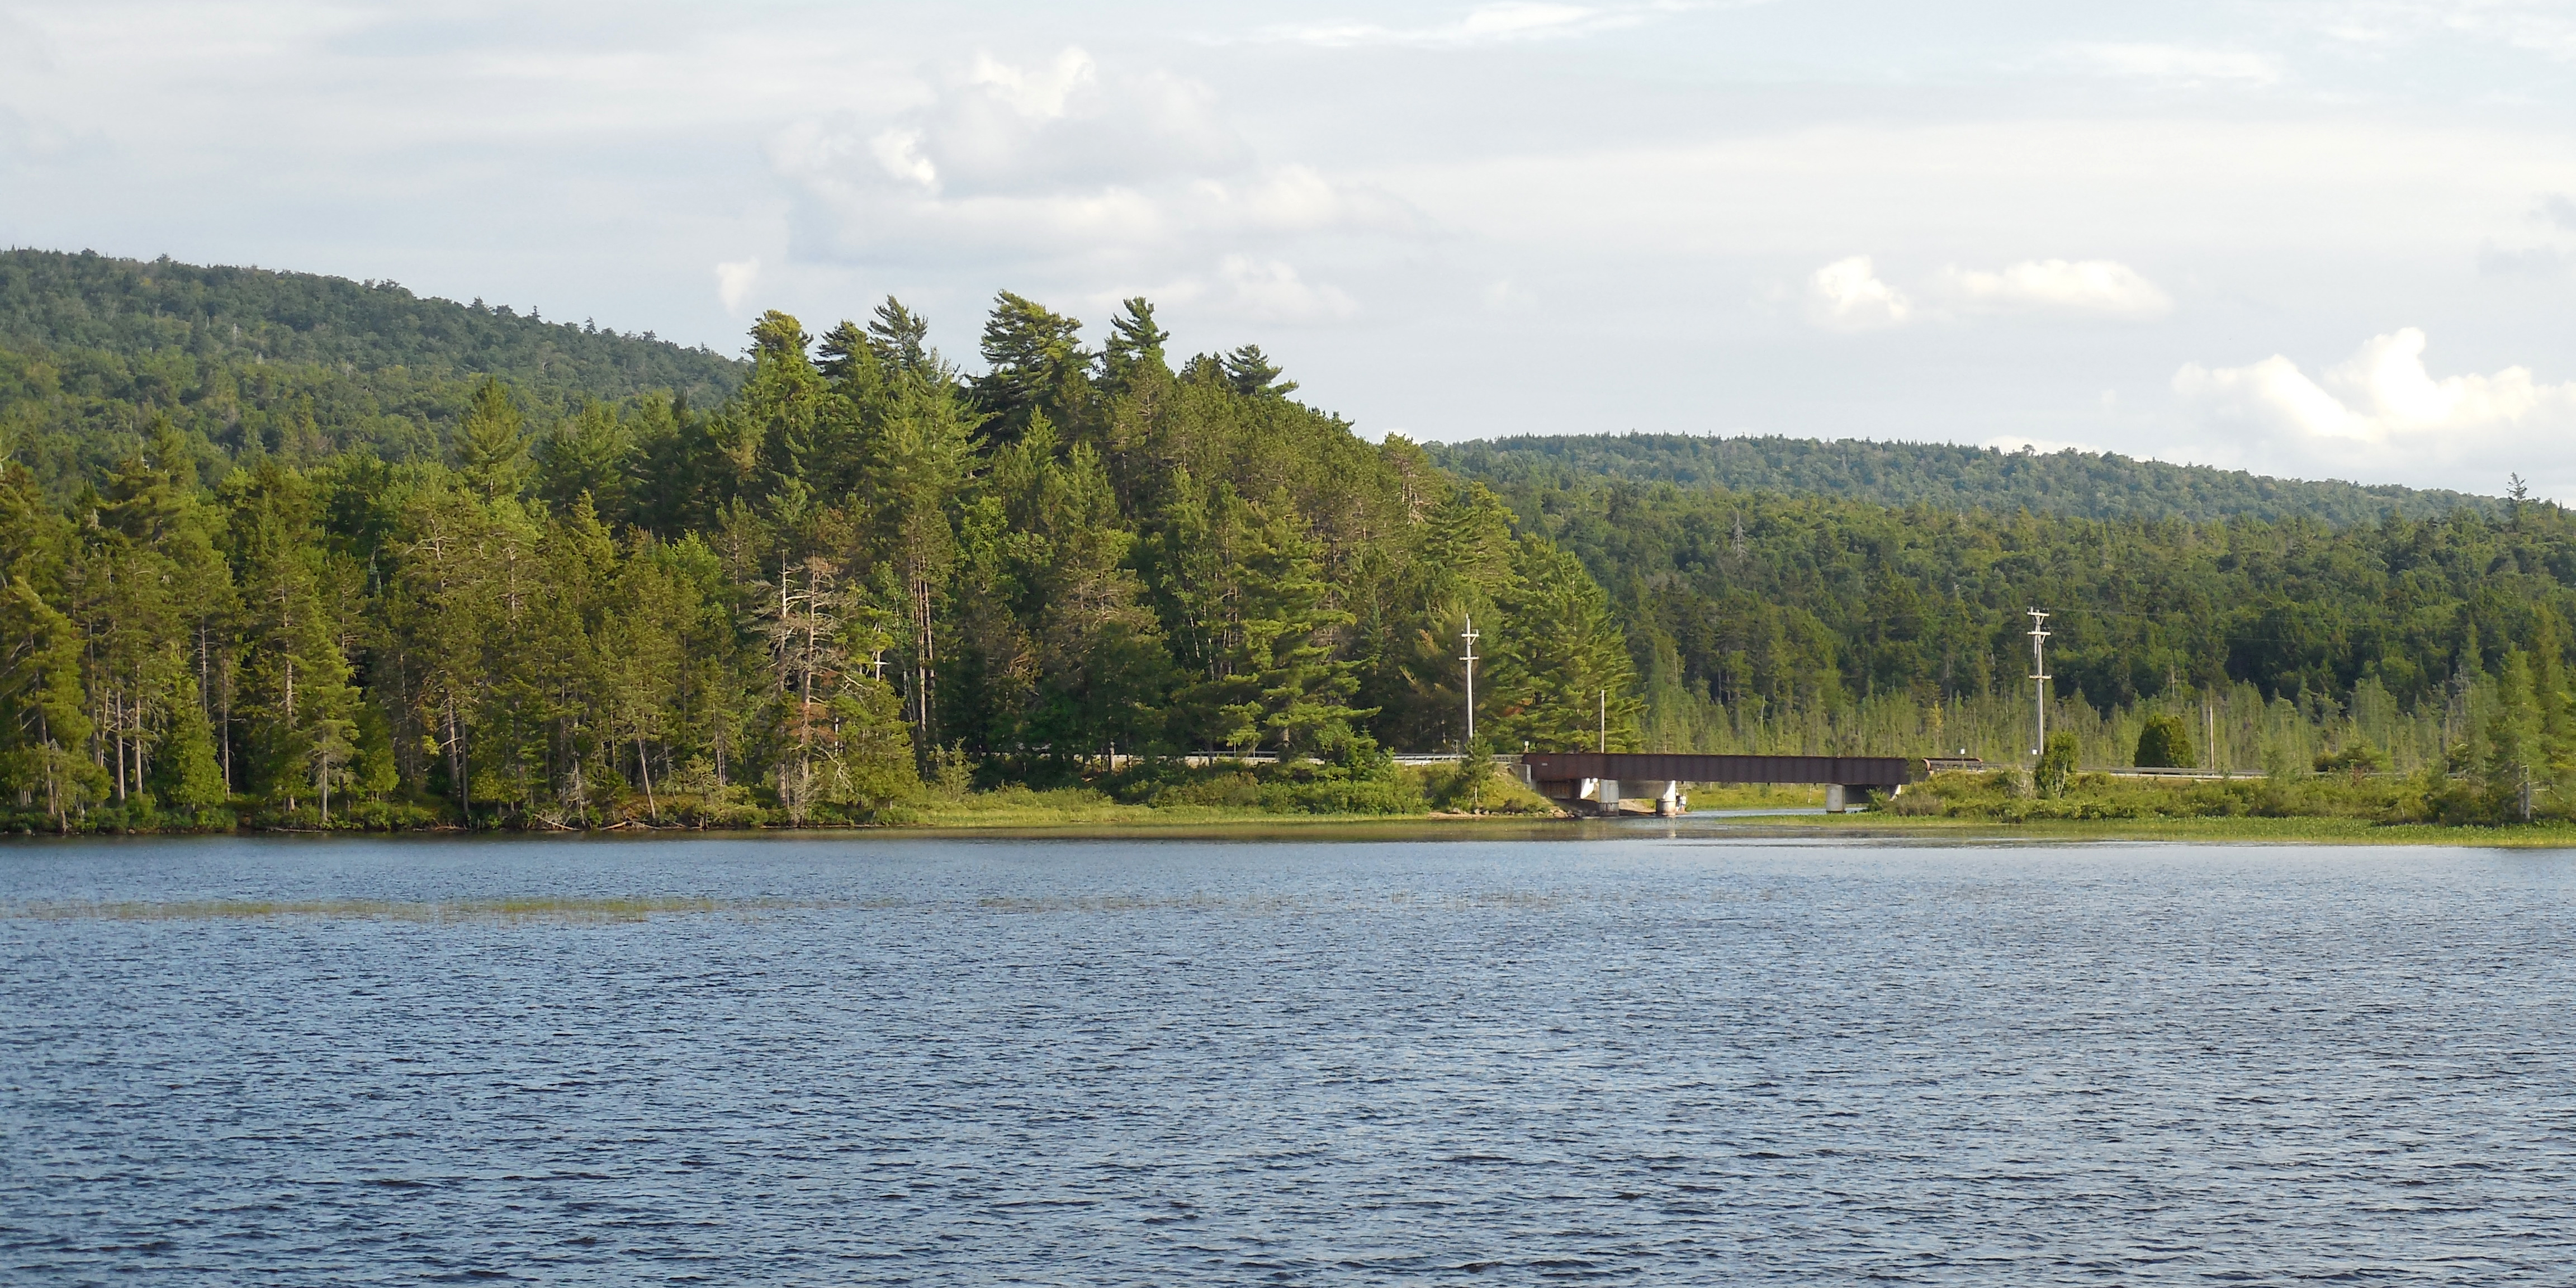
283, 550
858, 566
1945, 476
1762, 622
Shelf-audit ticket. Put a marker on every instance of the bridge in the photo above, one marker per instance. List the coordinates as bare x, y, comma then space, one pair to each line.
1579, 778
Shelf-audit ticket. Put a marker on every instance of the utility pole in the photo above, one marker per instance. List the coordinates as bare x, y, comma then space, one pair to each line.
1468, 748
2039, 679
1605, 722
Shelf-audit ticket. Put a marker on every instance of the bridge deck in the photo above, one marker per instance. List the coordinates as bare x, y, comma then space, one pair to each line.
1654, 766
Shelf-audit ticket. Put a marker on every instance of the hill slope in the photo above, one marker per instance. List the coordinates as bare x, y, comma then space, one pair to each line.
92, 347
1943, 476
133, 308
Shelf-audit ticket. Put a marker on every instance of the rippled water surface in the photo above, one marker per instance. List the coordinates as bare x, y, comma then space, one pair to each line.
1666, 1058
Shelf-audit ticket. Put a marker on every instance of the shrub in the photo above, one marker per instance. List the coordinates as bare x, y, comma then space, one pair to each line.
2165, 743
2056, 766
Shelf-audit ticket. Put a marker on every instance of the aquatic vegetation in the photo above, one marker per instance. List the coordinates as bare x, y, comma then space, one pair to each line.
564, 908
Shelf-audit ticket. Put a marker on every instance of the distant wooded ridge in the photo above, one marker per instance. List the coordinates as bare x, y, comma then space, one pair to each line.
376, 358
129, 306
1944, 476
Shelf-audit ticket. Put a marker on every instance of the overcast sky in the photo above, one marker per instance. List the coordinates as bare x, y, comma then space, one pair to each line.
2322, 239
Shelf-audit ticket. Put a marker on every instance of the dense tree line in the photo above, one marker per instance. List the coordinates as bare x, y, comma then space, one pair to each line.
1812, 623
1944, 476
473, 573
93, 348
139, 308
783, 605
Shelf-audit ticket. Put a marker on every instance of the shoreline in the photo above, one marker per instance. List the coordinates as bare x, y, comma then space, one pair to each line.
1790, 824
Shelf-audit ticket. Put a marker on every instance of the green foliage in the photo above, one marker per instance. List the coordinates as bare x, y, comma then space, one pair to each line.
101, 304
2165, 743
248, 361
186, 774
2357, 758
2096, 797
2056, 766
1360, 781
1779, 620
43, 724
531, 598
376, 560
491, 444
1944, 476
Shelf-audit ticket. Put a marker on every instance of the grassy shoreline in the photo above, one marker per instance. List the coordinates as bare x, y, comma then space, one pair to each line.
1146, 823
2247, 830
1953, 810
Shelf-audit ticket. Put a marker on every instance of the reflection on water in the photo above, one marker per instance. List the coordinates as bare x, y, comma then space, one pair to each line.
1662, 1057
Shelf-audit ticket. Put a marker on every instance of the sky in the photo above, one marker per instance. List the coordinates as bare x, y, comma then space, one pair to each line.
2320, 238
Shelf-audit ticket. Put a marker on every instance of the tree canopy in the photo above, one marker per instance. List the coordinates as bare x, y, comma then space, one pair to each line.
510, 584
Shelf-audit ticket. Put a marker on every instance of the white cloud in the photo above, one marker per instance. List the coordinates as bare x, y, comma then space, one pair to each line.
1040, 92
1060, 162
1269, 290
899, 151
2178, 63
1251, 288
1846, 295
1489, 24
2381, 395
2538, 26
734, 280
2099, 287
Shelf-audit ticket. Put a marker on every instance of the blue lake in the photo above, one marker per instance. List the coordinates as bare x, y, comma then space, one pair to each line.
1672, 1056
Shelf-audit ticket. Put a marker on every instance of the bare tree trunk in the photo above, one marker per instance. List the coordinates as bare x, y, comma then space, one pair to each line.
644, 766
456, 764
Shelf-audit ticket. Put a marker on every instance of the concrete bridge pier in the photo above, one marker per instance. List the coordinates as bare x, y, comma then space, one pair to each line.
1606, 794
1587, 782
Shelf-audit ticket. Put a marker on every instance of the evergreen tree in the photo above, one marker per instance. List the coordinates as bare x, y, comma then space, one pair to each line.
2515, 769
186, 774
1251, 373
900, 339
1135, 348
492, 442
1563, 680
1290, 689
42, 724
1037, 364
586, 454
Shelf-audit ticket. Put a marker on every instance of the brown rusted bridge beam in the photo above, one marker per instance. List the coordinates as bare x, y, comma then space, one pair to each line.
1562, 775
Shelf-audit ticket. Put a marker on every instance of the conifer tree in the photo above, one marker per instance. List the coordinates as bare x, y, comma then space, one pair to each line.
1037, 365
2515, 769
1293, 687
186, 774
42, 724
492, 442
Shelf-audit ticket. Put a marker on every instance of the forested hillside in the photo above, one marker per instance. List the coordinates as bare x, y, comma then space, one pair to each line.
547, 591
250, 360
1768, 622
1944, 476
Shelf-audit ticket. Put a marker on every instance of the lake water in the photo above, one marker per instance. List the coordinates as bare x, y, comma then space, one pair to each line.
1671, 1058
